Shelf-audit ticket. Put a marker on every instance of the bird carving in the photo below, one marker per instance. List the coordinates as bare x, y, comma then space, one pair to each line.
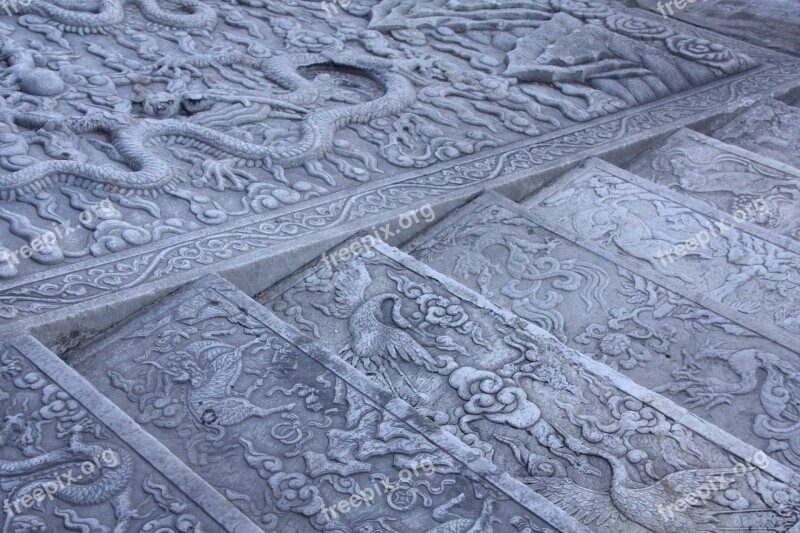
379, 334
629, 499
456, 523
211, 368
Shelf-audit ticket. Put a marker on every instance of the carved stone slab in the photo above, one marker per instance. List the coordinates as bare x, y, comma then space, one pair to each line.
726, 177
774, 27
615, 312
769, 128
171, 143
290, 434
611, 453
699, 249
73, 462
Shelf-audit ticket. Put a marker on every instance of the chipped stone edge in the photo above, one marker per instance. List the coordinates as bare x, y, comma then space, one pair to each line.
141, 442
378, 395
766, 330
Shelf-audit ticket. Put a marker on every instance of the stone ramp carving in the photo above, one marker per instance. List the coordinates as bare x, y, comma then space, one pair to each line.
727, 178
754, 272
221, 134
770, 128
775, 27
616, 312
289, 433
147, 143
612, 453
100, 471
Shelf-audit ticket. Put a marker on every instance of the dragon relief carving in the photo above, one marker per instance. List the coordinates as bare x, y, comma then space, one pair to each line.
56, 437
277, 103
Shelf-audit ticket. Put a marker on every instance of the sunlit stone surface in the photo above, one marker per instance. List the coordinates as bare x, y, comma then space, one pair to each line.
205, 211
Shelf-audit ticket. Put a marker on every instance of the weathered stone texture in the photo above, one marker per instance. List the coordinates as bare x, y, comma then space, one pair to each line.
198, 137
769, 128
285, 431
633, 330
599, 446
721, 256
611, 310
63, 469
726, 178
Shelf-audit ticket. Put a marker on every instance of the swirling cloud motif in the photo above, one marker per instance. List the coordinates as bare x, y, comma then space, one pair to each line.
711, 54
295, 492
490, 396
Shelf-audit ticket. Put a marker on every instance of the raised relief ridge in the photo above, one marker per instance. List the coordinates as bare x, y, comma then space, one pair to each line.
727, 178
609, 452
700, 249
71, 463
770, 128
287, 432
616, 313
177, 129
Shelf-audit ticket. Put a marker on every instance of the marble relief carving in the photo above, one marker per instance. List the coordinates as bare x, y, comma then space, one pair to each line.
601, 356
746, 272
712, 365
770, 128
63, 470
195, 117
538, 409
727, 179
281, 436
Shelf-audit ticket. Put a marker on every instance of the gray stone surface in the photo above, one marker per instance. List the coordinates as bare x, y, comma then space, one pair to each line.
222, 133
773, 24
606, 450
71, 463
726, 178
284, 430
701, 249
145, 144
614, 311
770, 128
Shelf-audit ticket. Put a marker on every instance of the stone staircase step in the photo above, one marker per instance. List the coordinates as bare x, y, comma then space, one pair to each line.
770, 128
614, 311
606, 450
725, 177
682, 242
291, 434
73, 461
